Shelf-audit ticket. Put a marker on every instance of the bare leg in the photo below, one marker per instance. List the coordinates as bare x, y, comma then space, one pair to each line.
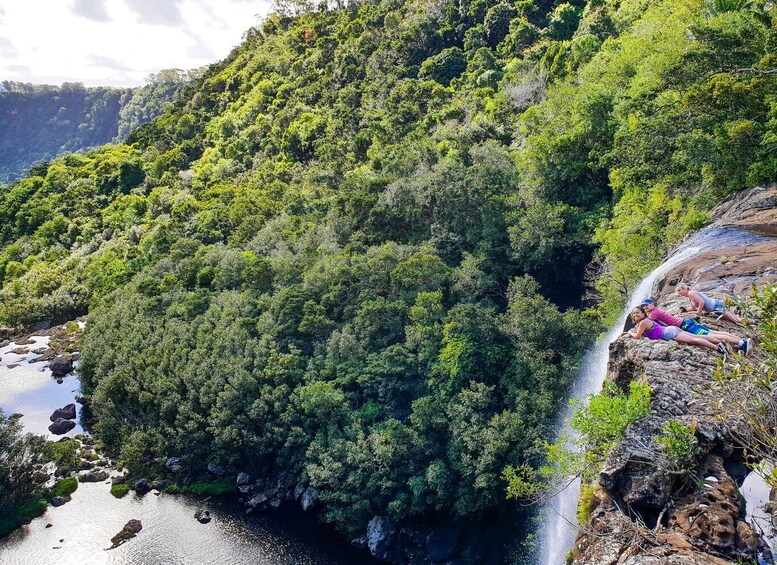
731, 317
725, 336
685, 337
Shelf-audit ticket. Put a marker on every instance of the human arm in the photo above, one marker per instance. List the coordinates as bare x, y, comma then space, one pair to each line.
696, 302
637, 331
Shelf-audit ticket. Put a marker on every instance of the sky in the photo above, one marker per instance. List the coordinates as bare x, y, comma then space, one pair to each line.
117, 42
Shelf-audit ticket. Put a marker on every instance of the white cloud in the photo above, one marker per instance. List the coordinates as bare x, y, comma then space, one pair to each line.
117, 42
91, 10
157, 12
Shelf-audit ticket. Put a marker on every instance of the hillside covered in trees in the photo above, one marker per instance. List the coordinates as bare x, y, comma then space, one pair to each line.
358, 252
40, 122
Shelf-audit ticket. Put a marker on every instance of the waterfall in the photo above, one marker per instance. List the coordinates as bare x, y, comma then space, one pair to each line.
559, 522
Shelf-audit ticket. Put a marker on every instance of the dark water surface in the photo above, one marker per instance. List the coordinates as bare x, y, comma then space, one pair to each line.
170, 534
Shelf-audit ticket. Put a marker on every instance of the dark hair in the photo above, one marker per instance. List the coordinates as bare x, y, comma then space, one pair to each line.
641, 308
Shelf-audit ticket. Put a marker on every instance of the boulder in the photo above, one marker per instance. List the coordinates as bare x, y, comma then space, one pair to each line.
61, 366
58, 501
360, 542
442, 543
309, 499
216, 470
93, 476
242, 479
142, 486
159, 485
129, 531
15, 416
66, 413
382, 540
298, 490
275, 503
245, 489
258, 502
174, 464
61, 426
202, 516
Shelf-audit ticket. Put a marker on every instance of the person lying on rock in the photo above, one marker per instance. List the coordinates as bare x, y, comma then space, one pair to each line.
645, 327
693, 327
703, 303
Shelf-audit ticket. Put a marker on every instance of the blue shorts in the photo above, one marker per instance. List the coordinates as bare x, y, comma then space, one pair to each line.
720, 307
693, 327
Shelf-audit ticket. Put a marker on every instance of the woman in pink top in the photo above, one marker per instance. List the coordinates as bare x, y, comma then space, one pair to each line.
645, 327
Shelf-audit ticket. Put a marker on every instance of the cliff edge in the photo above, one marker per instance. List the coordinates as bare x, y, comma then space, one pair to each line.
643, 512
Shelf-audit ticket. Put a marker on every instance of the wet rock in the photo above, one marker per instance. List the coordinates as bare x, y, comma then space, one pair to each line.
216, 470
360, 542
159, 485
20, 351
93, 476
382, 540
242, 479
258, 502
309, 499
61, 426
442, 543
275, 503
49, 526
61, 366
245, 489
202, 516
66, 413
174, 464
129, 531
58, 501
142, 486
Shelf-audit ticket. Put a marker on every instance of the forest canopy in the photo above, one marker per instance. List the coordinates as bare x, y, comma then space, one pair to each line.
357, 251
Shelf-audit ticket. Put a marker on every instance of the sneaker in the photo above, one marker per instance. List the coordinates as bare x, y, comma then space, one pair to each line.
722, 349
745, 347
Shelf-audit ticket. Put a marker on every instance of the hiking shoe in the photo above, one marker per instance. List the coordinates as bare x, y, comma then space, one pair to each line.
745, 347
722, 349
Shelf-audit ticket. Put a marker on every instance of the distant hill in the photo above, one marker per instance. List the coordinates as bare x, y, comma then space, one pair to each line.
41, 122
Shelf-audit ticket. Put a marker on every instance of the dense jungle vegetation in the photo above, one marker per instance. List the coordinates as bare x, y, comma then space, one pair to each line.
357, 251
41, 122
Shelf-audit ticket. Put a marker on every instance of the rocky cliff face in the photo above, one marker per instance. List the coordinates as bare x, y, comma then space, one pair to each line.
644, 512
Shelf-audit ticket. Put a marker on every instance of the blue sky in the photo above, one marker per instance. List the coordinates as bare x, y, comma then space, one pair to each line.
117, 42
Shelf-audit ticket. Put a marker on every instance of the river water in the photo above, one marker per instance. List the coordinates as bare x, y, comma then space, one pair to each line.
559, 525
170, 534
